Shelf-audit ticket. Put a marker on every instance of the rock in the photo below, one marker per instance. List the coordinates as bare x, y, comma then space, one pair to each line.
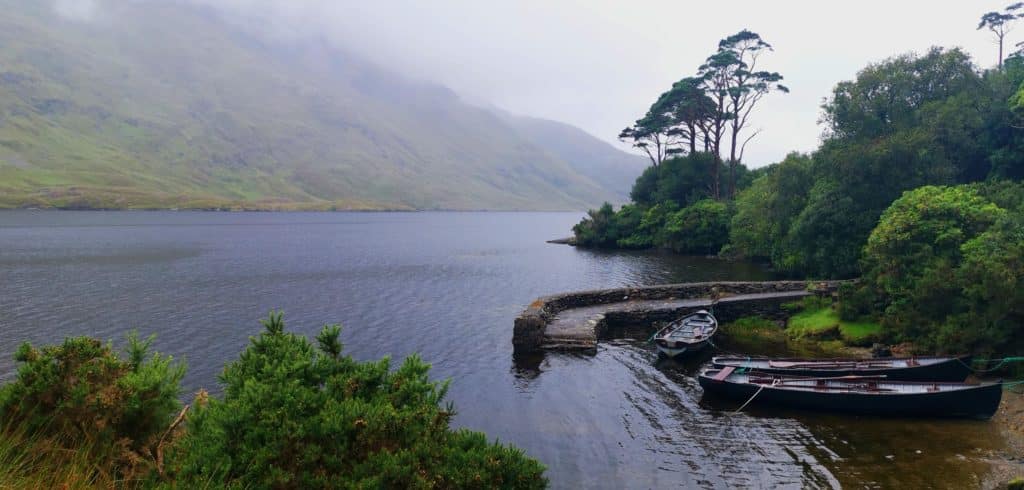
880, 350
902, 350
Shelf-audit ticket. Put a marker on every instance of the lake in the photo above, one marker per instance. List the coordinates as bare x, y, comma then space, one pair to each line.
447, 286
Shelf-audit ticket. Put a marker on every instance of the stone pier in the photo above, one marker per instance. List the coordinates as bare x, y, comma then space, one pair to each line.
576, 320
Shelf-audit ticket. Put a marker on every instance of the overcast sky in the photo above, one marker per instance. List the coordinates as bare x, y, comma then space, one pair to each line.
598, 64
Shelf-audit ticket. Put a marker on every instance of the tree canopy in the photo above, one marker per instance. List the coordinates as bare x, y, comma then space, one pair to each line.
944, 269
702, 112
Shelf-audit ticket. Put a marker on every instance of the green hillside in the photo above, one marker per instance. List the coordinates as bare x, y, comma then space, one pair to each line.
156, 104
610, 168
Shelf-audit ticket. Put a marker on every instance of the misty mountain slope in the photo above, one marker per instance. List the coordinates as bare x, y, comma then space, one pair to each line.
606, 165
156, 104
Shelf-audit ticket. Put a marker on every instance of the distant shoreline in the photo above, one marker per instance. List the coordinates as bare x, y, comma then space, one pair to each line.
272, 210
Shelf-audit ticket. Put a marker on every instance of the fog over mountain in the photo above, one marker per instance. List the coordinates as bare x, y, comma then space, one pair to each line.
117, 103
599, 64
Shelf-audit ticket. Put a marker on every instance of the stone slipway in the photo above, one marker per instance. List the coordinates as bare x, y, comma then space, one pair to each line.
577, 320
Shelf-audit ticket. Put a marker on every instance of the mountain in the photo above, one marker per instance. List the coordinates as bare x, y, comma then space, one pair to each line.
163, 105
609, 167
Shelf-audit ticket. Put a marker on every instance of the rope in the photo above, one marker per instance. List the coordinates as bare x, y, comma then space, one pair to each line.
1008, 384
728, 353
758, 392
651, 338
746, 367
998, 365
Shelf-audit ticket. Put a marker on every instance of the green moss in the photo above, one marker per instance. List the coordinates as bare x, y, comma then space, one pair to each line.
1015, 484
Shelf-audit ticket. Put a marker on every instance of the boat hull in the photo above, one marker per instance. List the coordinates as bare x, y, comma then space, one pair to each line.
684, 350
675, 340
952, 369
976, 402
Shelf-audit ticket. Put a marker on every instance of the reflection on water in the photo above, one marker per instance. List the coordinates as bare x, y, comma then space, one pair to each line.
702, 441
447, 286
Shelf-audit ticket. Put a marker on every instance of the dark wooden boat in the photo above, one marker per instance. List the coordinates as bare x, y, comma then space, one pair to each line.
868, 395
686, 335
893, 368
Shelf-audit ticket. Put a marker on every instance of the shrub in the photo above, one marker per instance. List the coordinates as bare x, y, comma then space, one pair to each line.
604, 228
82, 396
300, 415
702, 228
944, 264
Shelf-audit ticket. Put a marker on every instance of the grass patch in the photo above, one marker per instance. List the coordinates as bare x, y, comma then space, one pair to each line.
760, 336
825, 322
754, 329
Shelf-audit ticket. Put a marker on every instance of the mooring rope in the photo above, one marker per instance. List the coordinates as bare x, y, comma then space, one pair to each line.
758, 392
1013, 383
998, 364
726, 352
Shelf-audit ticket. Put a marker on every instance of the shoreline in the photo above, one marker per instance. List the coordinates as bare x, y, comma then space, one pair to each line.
276, 210
1008, 463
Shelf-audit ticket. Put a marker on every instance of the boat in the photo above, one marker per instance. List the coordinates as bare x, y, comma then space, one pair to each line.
686, 335
865, 395
893, 368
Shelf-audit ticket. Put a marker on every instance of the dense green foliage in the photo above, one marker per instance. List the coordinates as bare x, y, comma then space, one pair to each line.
294, 414
300, 415
903, 123
907, 122
945, 269
700, 228
672, 209
82, 394
941, 265
766, 210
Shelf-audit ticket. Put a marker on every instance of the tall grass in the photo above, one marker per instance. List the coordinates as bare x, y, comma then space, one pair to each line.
36, 461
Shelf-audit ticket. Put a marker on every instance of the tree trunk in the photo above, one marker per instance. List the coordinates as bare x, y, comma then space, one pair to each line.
716, 164
1000, 52
732, 161
693, 137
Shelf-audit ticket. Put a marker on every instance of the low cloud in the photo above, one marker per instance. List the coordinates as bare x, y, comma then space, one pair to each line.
76, 10
599, 64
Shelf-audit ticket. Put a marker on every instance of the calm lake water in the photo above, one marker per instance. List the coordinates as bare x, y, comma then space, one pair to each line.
448, 286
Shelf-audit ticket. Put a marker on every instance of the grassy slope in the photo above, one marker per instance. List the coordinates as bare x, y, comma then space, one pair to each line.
160, 105
816, 321
612, 168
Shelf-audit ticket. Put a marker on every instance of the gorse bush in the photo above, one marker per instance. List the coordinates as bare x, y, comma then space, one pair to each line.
294, 414
299, 415
81, 395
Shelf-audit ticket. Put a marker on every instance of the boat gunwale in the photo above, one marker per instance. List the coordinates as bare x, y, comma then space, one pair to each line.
932, 360
663, 333
956, 386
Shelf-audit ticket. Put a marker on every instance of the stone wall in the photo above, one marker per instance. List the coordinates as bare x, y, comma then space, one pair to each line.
528, 329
